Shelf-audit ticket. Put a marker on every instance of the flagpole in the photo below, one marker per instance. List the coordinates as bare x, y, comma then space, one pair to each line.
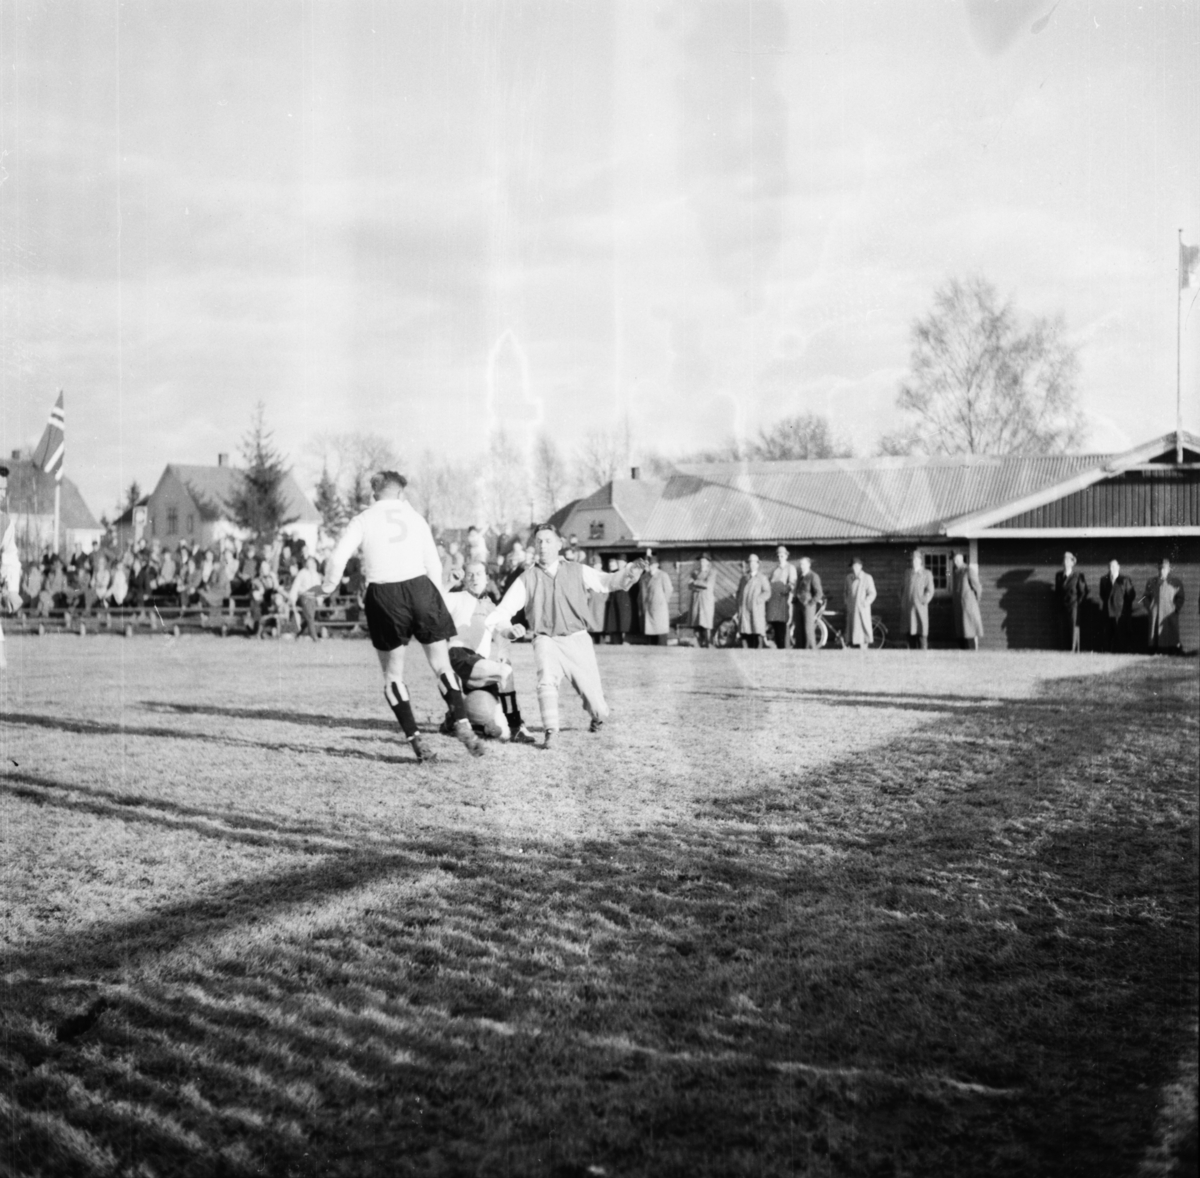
57, 498
1178, 349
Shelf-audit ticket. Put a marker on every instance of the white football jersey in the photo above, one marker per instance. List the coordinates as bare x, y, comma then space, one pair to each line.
396, 544
469, 614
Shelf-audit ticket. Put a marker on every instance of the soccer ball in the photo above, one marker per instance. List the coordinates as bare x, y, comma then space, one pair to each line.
485, 713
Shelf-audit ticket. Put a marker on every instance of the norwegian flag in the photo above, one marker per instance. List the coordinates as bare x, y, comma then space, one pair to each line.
49, 454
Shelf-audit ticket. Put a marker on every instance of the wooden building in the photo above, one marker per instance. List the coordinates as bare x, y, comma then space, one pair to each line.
1012, 517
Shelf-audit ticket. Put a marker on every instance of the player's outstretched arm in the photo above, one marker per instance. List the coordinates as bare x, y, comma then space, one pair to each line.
500, 619
345, 548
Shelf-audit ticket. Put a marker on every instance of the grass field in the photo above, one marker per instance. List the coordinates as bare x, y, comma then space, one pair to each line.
845, 913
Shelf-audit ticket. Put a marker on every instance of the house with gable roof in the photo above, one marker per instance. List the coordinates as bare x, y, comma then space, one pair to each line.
31, 505
190, 503
1011, 516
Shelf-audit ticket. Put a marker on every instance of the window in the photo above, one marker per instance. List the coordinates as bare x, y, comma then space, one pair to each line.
191, 524
172, 520
596, 530
154, 525
937, 561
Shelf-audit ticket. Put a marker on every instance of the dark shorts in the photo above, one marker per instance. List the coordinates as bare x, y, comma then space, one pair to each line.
462, 663
400, 610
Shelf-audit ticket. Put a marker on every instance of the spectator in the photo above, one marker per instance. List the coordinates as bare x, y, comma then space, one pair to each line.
1070, 591
618, 610
656, 602
303, 600
97, 591
859, 594
779, 607
167, 572
967, 591
1164, 600
810, 596
598, 600
477, 549
753, 593
215, 588
1117, 598
31, 590
703, 606
118, 585
915, 596
263, 588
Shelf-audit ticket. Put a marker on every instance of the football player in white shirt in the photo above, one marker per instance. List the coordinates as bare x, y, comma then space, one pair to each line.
404, 600
488, 683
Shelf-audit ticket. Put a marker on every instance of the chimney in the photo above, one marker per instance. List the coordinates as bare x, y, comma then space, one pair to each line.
635, 472
222, 459
16, 455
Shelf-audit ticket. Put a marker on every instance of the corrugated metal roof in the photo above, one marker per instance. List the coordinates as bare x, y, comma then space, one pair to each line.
213, 486
849, 498
31, 492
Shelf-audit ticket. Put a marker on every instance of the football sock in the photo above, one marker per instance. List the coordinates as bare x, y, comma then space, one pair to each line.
512, 713
452, 693
397, 696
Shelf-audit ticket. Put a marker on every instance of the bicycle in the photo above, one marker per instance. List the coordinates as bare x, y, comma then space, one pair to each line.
826, 628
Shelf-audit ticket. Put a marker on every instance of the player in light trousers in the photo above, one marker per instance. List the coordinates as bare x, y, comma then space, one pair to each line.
404, 600
554, 596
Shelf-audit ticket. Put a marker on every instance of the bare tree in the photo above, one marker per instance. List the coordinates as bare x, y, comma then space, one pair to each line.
507, 489
551, 482
445, 493
981, 383
806, 435
349, 460
602, 456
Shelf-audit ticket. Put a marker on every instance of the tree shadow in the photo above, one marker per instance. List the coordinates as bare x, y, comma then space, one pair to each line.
759, 990
309, 719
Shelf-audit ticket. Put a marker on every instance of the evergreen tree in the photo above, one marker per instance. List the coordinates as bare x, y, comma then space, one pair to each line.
329, 503
257, 503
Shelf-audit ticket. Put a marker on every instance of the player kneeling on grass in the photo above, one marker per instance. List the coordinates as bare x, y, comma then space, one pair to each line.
554, 595
488, 684
404, 600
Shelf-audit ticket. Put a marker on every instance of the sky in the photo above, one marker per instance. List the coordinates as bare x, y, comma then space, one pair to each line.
429, 220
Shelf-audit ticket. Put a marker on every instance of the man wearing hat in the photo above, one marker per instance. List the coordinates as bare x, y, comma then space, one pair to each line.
10, 560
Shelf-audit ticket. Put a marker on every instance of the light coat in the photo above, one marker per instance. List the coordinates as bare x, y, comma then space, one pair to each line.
915, 596
753, 593
783, 585
968, 623
859, 593
1164, 600
703, 587
656, 602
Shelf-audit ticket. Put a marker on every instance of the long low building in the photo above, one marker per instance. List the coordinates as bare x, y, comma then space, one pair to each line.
1013, 517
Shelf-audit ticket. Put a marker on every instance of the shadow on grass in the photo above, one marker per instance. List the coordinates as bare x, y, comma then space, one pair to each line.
987, 977
102, 728
275, 715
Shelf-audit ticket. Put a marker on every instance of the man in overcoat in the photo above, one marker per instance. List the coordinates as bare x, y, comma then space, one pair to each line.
810, 597
656, 602
859, 593
618, 610
779, 607
1164, 601
968, 623
703, 604
1070, 591
753, 593
915, 595
1117, 597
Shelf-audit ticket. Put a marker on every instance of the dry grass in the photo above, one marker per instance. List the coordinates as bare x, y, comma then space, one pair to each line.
832, 914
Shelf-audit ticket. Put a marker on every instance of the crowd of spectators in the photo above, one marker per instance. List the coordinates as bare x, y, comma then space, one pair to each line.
268, 581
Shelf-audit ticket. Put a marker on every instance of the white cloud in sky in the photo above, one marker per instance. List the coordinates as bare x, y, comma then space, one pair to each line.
695, 216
